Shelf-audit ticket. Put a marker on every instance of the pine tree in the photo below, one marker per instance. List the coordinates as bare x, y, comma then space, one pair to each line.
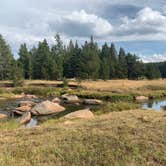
41, 61
6, 59
90, 60
58, 53
152, 71
122, 68
26, 61
105, 62
68, 68
113, 62
135, 67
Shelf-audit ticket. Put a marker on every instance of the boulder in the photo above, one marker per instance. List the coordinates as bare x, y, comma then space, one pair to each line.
25, 108
26, 117
141, 98
31, 96
47, 108
93, 102
2, 116
26, 103
70, 99
81, 114
19, 96
56, 100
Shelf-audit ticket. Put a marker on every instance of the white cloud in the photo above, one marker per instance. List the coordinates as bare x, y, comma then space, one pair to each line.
147, 25
99, 26
153, 58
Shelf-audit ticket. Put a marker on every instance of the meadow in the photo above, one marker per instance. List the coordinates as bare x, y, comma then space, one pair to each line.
120, 134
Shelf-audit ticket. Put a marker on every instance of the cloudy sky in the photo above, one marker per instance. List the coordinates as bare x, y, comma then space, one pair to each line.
139, 26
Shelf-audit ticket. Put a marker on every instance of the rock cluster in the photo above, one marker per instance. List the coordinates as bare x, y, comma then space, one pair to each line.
28, 108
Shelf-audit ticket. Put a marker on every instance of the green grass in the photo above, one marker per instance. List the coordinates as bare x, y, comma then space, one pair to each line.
8, 124
117, 107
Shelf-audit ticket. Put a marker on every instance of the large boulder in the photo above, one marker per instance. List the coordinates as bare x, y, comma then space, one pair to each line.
92, 102
70, 99
26, 117
26, 103
81, 114
47, 108
141, 98
2, 116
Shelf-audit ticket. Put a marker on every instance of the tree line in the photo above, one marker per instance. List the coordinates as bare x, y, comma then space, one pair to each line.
73, 61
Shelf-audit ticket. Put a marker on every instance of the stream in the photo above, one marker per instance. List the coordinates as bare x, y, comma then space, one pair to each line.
157, 105
7, 105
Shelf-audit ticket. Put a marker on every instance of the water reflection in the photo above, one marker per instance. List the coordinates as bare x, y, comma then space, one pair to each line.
157, 105
32, 123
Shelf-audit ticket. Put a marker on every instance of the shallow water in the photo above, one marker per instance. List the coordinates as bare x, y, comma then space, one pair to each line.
7, 105
157, 105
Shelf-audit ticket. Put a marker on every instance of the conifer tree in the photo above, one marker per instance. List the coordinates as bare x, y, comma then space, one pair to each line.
105, 62
6, 59
90, 60
41, 61
26, 61
113, 62
58, 53
122, 68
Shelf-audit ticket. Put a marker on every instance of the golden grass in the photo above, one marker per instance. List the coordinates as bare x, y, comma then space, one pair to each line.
122, 84
119, 138
100, 84
125, 85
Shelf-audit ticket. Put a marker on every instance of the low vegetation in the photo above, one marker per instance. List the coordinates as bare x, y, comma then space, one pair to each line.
119, 138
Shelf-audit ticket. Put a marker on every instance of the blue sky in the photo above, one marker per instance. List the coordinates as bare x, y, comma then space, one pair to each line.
137, 26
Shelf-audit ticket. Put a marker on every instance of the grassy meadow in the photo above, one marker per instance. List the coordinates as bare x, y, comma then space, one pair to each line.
120, 134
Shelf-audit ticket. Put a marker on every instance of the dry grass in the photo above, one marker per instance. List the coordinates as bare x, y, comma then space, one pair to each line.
122, 84
100, 84
119, 138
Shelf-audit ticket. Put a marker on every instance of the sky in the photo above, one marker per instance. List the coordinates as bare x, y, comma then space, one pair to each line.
139, 26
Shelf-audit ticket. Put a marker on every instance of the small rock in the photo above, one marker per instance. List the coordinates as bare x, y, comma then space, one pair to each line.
82, 114
56, 100
31, 96
70, 99
26, 117
2, 116
19, 96
141, 98
47, 108
26, 103
24, 108
93, 102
